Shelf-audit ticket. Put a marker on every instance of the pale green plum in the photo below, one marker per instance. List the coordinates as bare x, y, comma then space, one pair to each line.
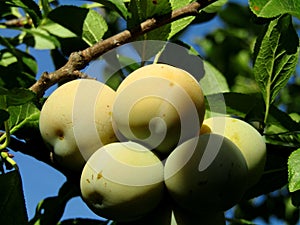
75, 121
122, 181
206, 173
159, 105
246, 138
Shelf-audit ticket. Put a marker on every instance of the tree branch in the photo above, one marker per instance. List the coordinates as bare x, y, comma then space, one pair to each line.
79, 60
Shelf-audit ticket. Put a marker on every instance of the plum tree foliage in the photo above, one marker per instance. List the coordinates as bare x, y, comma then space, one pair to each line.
253, 57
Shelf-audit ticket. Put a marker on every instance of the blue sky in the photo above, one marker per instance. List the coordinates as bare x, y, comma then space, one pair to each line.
40, 180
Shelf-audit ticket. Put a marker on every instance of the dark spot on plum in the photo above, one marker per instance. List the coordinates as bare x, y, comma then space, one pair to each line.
99, 175
60, 134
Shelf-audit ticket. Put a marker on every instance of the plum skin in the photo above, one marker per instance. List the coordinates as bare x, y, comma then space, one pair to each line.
166, 98
215, 188
57, 123
246, 138
122, 181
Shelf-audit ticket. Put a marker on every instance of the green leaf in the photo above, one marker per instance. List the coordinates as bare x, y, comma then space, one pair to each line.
50, 210
295, 117
282, 121
116, 5
213, 81
276, 57
273, 8
56, 29
210, 79
19, 96
12, 204
237, 104
29, 7
290, 139
279, 126
14, 97
23, 115
7, 58
128, 64
12, 55
89, 24
294, 171
141, 10
215, 7
40, 39
179, 25
94, 27
46, 6
17, 69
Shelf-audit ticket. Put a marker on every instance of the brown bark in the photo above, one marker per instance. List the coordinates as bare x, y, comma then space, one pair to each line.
79, 60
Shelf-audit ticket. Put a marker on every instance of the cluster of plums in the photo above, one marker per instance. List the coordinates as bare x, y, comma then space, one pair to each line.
146, 153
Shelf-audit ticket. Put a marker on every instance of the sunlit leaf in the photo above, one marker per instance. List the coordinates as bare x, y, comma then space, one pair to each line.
213, 81
57, 29
273, 8
117, 5
179, 25
7, 58
94, 27
215, 7
89, 24
294, 171
40, 39
276, 57
23, 115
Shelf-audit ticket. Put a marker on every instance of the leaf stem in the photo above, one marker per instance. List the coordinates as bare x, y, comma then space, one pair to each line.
5, 136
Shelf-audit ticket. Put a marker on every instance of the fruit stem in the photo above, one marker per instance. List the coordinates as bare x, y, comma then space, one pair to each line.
7, 157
